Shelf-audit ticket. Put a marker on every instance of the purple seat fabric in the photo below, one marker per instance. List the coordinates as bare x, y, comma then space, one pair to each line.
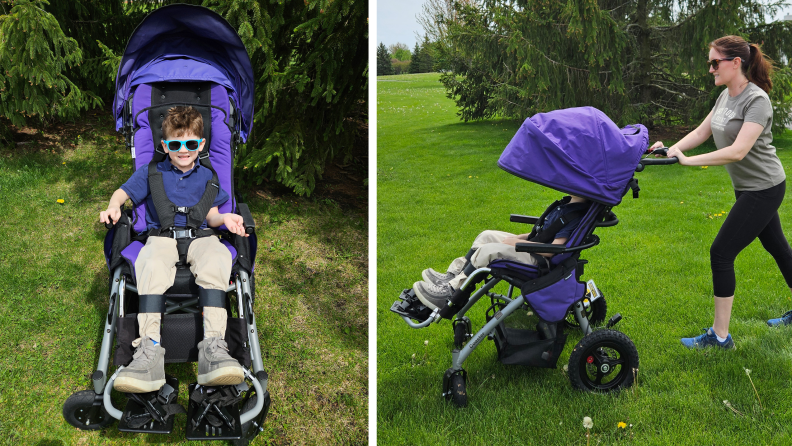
579, 151
219, 149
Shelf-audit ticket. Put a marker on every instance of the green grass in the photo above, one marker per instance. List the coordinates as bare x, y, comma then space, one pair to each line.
439, 186
311, 286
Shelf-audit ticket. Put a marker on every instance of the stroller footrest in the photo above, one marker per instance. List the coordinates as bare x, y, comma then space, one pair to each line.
212, 421
149, 412
410, 306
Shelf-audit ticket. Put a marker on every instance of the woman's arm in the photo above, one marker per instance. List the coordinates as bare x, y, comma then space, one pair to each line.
747, 137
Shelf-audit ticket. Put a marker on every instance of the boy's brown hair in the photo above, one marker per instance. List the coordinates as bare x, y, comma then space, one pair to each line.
181, 120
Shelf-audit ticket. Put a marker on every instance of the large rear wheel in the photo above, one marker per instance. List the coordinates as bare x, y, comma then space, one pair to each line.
603, 361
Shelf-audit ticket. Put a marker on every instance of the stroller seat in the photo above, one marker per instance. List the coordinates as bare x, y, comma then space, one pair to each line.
181, 55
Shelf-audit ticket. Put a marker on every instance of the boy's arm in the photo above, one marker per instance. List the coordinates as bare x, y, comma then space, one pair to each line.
233, 222
113, 211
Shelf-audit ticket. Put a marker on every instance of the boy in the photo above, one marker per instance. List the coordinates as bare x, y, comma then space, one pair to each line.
187, 184
437, 288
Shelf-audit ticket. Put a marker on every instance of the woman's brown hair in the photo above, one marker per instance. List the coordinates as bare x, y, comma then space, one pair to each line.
755, 65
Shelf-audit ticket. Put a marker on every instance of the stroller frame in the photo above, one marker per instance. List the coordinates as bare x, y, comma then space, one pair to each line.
214, 60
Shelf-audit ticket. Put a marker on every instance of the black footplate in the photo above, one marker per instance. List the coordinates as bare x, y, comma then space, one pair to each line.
409, 305
213, 413
152, 412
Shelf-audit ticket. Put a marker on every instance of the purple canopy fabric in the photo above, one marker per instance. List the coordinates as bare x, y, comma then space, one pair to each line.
187, 43
579, 151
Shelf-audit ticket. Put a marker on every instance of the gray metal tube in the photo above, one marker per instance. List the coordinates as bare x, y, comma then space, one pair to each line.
423, 324
458, 358
108, 332
479, 294
243, 282
582, 319
252, 413
108, 404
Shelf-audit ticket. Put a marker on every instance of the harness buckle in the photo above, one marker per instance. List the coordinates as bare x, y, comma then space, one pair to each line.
183, 209
182, 233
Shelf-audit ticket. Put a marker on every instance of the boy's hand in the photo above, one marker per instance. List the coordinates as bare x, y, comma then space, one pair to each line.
111, 215
235, 224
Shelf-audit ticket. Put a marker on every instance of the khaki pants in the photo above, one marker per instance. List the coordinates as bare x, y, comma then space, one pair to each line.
155, 270
488, 248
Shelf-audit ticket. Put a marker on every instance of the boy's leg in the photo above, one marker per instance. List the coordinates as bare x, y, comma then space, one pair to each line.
210, 263
155, 269
459, 264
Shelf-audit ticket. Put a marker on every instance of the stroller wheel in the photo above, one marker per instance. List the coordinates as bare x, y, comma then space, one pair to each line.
603, 361
458, 391
83, 411
249, 430
595, 311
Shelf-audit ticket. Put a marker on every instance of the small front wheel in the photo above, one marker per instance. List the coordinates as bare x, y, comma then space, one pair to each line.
458, 390
461, 331
82, 411
603, 361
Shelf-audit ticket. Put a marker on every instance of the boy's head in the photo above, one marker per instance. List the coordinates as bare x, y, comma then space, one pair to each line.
182, 130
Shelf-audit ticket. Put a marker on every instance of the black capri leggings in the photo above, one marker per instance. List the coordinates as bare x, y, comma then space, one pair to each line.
755, 214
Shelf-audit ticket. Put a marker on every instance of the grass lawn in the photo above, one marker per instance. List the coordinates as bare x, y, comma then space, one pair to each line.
439, 186
311, 285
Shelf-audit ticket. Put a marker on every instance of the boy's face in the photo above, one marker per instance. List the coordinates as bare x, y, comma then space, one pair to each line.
184, 159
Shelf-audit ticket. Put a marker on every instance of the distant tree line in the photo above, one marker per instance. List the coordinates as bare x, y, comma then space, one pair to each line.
638, 61
397, 58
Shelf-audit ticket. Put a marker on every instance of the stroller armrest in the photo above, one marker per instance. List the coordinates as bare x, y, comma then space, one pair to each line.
514, 218
591, 241
247, 217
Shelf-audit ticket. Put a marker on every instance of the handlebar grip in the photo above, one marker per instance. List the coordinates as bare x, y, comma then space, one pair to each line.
109, 225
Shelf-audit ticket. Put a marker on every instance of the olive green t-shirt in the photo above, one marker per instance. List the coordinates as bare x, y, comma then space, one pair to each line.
760, 169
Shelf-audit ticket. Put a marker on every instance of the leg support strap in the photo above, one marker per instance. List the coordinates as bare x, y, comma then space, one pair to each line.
211, 298
151, 303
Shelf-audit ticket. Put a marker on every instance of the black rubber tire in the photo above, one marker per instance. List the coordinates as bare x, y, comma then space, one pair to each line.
596, 313
458, 390
603, 347
249, 431
76, 411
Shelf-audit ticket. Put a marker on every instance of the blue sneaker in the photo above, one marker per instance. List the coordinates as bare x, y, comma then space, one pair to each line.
708, 339
786, 319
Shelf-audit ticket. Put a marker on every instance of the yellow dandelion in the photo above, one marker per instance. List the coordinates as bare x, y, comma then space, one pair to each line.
681, 202
61, 200
704, 167
622, 424
64, 162
470, 176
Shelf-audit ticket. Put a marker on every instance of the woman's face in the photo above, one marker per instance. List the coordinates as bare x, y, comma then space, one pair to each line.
727, 69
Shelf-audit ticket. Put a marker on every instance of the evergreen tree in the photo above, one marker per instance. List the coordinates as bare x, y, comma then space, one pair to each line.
641, 61
384, 66
426, 60
414, 61
309, 59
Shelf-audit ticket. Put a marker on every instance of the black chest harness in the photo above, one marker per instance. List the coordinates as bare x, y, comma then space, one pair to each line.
167, 210
542, 233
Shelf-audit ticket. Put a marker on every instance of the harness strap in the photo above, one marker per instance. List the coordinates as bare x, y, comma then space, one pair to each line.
546, 234
166, 210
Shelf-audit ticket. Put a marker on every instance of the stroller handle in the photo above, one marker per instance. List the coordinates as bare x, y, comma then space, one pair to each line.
662, 151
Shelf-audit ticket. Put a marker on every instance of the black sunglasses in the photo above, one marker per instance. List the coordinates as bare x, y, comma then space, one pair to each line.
714, 62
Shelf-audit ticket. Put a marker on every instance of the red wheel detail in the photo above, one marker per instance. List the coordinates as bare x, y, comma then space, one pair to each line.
590, 359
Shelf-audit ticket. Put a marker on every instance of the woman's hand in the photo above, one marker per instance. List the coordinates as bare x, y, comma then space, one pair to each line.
673, 151
656, 145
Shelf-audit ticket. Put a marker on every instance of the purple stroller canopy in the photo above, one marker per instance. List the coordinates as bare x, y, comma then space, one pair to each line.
579, 151
186, 43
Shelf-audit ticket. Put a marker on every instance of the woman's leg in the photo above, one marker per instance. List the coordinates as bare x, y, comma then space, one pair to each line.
750, 216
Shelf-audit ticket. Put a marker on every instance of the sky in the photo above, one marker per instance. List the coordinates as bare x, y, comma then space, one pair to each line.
396, 21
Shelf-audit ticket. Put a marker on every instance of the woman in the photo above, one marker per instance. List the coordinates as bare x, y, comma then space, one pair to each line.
740, 124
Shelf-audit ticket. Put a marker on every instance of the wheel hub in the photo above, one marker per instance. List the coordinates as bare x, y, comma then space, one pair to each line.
605, 368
